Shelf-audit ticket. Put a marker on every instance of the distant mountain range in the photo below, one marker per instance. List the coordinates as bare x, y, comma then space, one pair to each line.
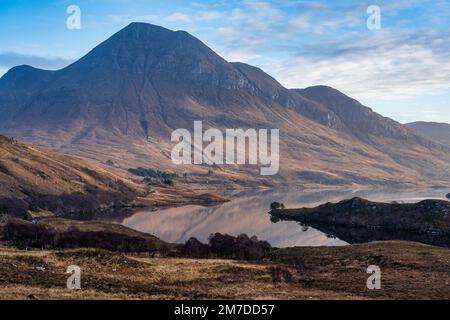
435, 130
123, 99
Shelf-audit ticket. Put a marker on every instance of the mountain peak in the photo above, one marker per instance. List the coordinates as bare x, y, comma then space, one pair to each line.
142, 48
144, 25
143, 32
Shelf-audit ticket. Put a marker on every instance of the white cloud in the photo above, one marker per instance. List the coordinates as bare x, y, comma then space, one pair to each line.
297, 50
178, 17
388, 72
242, 54
312, 43
209, 15
301, 23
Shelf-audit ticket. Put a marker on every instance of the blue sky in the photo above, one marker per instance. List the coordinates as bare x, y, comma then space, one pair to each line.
402, 70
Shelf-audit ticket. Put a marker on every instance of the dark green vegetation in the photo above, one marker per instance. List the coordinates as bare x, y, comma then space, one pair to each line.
276, 205
152, 173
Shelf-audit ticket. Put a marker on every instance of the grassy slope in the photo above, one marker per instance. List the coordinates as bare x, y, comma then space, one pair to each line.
409, 270
26, 169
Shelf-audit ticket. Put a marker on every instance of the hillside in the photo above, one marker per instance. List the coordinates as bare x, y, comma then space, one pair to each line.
122, 101
435, 130
36, 182
27, 170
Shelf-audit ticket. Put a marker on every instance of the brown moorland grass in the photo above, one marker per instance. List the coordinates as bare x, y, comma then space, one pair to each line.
409, 271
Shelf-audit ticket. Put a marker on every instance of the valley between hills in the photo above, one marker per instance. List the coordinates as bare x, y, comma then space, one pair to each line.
42, 192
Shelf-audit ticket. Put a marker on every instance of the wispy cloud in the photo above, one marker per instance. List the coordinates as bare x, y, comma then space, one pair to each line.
383, 65
178, 17
305, 43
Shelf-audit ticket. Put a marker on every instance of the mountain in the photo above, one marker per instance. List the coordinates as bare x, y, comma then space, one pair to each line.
122, 101
435, 130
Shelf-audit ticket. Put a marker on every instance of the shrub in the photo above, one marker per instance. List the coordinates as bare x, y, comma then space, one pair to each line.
28, 235
241, 247
151, 173
195, 249
276, 205
13, 206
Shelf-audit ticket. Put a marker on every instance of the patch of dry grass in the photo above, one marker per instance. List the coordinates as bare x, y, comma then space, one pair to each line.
409, 271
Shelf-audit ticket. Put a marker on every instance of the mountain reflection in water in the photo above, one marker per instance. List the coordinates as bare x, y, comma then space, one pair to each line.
247, 212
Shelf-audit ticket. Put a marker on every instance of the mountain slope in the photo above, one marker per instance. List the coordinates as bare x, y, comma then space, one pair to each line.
26, 170
437, 131
122, 101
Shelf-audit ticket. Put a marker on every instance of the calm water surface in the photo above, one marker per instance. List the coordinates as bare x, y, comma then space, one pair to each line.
247, 212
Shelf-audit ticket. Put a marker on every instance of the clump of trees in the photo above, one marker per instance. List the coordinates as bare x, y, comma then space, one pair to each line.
25, 234
13, 207
195, 249
150, 175
225, 246
276, 205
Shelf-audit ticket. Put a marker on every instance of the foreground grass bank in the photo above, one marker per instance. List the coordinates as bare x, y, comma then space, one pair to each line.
409, 271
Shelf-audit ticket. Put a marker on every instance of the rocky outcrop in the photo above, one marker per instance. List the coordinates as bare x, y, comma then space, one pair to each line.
360, 220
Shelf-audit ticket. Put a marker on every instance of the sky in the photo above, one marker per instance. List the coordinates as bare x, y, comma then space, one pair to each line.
401, 69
